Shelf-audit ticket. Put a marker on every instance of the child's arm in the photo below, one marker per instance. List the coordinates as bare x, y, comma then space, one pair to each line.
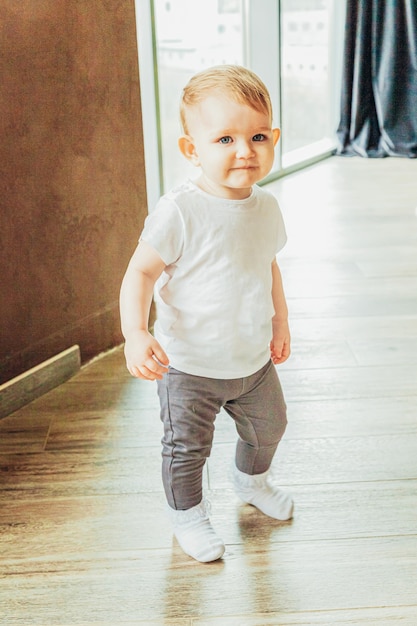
281, 339
144, 356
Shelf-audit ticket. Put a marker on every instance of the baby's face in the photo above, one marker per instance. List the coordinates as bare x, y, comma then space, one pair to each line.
232, 143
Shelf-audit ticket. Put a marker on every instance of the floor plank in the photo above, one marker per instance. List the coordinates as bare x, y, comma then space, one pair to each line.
285, 577
42, 529
407, 615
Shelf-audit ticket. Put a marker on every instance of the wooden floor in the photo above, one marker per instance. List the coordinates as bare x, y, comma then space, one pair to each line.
83, 534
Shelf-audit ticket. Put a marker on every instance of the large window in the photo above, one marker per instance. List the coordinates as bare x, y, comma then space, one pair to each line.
294, 45
309, 63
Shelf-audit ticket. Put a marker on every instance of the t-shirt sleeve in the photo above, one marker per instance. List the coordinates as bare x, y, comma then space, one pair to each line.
164, 231
281, 232
277, 235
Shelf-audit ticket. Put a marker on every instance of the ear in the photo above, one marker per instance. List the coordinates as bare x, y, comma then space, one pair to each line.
187, 149
276, 134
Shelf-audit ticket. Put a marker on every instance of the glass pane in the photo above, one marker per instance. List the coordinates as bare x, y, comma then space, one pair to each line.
191, 35
306, 115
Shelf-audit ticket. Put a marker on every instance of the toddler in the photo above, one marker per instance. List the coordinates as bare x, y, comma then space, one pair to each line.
208, 253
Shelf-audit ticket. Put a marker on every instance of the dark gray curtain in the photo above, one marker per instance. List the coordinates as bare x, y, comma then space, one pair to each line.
379, 89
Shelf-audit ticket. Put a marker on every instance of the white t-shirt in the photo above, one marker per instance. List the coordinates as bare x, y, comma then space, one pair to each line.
214, 303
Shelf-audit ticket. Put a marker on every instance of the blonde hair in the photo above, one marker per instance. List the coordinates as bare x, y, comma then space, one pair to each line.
234, 81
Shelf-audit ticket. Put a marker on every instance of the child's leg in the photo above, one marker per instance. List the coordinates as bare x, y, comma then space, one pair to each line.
188, 411
260, 417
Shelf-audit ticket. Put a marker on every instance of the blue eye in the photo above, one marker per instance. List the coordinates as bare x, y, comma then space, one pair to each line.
225, 140
258, 137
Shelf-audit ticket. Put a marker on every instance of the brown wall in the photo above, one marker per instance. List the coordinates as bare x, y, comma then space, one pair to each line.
72, 183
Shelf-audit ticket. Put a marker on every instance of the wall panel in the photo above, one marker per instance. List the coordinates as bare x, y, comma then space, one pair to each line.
72, 182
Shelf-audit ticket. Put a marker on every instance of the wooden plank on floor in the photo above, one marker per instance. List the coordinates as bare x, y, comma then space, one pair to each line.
378, 616
40, 379
58, 528
289, 578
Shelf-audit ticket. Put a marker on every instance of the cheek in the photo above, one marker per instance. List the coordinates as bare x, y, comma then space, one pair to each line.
268, 155
216, 160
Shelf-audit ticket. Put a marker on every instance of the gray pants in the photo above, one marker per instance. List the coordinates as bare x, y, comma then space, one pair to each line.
189, 405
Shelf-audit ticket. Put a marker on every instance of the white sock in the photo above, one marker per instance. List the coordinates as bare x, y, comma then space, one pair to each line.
258, 491
195, 534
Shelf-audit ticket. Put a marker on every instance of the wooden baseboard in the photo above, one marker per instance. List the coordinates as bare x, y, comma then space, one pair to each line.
28, 386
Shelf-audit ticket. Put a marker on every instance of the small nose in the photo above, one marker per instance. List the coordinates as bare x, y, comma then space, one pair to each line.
244, 149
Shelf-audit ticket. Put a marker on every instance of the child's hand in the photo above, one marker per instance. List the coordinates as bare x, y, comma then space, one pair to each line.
281, 342
144, 356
